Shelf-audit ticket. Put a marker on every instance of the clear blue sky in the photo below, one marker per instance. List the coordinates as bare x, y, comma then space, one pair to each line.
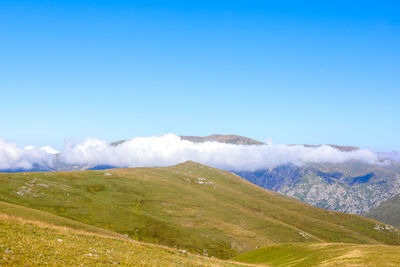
291, 71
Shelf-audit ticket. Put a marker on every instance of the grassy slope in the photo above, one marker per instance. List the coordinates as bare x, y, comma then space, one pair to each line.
328, 254
173, 207
30, 243
388, 211
45, 217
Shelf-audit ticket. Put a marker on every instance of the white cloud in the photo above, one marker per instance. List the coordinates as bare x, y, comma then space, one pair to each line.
12, 157
171, 149
49, 150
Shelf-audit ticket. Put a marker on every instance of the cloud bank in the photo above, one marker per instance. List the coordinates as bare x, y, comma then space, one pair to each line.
12, 157
171, 149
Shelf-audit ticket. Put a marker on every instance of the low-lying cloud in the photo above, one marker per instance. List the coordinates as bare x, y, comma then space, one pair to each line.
13, 157
171, 149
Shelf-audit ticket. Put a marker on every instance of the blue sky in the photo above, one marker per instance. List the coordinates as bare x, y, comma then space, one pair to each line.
283, 70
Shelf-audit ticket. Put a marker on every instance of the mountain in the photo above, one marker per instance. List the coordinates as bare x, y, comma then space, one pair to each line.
388, 211
228, 139
340, 148
394, 155
350, 187
242, 140
188, 206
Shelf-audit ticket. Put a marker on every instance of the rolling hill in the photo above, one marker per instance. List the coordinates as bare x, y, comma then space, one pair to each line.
48, 240
188, 206
29, 214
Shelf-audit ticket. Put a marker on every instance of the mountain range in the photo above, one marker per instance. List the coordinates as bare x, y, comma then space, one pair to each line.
351, 187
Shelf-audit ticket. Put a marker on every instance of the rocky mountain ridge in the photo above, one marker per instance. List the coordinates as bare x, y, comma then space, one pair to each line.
356, 189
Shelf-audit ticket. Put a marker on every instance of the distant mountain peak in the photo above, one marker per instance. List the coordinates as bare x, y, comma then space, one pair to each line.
393, 155
228, 139
341, 148
222, 138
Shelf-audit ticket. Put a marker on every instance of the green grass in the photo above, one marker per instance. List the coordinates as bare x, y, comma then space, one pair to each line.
45, 217
187, 206
30, 243
323, 254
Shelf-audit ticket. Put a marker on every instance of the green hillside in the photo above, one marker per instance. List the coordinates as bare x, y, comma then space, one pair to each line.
48, 218
33, 243
323, 254
388, 211
187, 206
